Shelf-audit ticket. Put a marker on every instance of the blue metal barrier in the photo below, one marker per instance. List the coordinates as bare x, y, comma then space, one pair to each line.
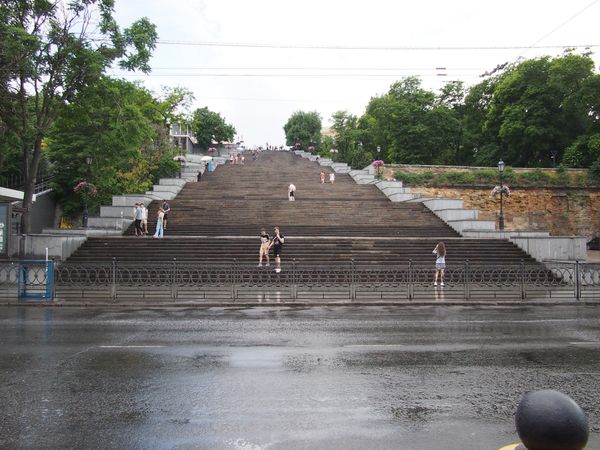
36, 280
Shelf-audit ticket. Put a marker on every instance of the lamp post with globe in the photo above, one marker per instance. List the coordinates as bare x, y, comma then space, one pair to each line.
501, 166
85, 214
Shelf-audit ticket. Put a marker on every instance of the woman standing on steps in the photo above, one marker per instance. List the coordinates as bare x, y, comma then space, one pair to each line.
159, 223
264, 247
440, 263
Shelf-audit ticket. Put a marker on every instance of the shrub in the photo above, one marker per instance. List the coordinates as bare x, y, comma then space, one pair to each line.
414, 179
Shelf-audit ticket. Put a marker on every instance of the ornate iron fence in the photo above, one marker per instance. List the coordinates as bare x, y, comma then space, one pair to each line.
348, 282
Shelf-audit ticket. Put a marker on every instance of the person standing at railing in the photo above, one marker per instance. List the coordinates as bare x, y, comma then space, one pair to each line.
159, 223
440, 263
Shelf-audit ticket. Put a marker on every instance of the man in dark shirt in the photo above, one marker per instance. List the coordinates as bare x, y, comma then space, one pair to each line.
166, 208
277, 244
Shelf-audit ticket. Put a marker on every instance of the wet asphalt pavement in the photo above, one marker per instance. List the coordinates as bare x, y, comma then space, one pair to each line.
283, 378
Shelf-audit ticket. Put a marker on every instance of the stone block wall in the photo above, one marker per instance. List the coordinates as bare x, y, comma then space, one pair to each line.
560, 211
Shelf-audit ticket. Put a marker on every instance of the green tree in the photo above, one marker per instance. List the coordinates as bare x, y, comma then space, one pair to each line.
304, 128
210, 127
121, 126
537, 108
415, 126
479, 146
50, 52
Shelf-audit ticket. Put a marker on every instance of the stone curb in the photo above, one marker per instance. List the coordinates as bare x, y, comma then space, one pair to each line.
508, 303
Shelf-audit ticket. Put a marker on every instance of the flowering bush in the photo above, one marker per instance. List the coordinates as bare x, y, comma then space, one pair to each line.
500, 189
85, 189
378, 163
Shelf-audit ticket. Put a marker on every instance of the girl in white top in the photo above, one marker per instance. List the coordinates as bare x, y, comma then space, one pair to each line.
440, 263
331, 177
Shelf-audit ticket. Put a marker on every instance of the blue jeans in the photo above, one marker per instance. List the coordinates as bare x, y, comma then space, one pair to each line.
159, 229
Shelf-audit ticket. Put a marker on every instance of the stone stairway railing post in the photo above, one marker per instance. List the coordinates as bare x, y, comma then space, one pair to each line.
522, 279
352, 280
410, 280
233, 280
577, 281
174, 280
113, 287
467, 279
294, 287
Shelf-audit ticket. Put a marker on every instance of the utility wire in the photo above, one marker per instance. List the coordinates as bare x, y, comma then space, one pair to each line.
534, 45
355, 47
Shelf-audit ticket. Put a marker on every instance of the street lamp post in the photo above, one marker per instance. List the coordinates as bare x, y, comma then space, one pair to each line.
501, 216
85, 215
553, 155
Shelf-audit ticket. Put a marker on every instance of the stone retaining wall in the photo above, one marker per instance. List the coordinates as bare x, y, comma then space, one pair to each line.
560, 211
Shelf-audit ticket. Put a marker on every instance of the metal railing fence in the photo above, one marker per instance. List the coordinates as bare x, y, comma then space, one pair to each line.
349, 282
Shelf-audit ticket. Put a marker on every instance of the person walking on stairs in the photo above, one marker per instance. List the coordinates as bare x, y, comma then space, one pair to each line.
277, 244
160, 223
440, 263
332, 177
322, 176
264, 247
291, 192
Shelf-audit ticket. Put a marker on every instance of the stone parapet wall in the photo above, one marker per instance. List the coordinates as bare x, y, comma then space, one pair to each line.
573, 212
390, 169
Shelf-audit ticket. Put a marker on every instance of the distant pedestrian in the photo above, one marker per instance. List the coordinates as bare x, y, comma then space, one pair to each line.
264, 247
144, 218
277, 244
160, 221
332, 177
291, 192
231, 158
166, 210
138, 214
440, 263
199, 176
242, 159
322, 176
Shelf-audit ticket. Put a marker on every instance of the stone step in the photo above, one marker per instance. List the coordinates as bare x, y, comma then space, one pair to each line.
453, 214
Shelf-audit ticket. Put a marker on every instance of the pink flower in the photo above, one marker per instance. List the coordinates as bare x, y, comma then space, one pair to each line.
504, 189
85, 188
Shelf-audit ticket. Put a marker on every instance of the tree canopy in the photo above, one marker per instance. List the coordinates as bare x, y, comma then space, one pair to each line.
121, 126
534, 113
303, 128
210, 127
50, 51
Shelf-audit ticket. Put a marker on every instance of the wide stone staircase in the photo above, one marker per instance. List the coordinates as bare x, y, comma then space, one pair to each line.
217, 221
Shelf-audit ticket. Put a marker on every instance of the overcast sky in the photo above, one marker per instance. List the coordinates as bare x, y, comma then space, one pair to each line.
259, 82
